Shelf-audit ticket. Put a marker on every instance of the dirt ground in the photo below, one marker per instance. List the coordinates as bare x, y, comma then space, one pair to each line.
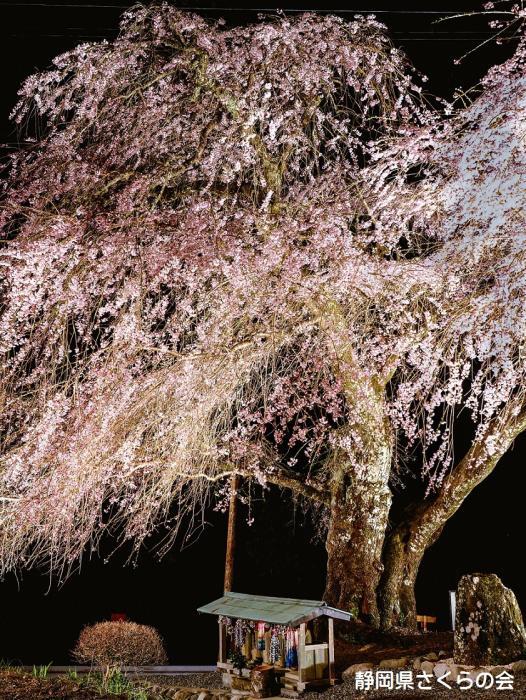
19, 686
15, 685
373, 647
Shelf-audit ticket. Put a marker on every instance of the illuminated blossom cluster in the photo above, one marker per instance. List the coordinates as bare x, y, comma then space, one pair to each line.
470, 200
227, 245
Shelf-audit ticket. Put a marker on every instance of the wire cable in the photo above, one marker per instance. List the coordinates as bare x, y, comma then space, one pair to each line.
252, 9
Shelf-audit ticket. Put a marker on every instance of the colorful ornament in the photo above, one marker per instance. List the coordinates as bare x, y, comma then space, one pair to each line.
291, 654
275, 647
239, 634
261, 636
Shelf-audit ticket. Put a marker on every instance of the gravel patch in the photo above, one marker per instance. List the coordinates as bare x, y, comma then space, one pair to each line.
210, 680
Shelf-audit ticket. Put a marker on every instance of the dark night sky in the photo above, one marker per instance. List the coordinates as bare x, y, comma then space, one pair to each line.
276, 556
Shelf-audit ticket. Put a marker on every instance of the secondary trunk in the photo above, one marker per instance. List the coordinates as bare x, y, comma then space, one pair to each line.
231, 535
404, 549
422, 525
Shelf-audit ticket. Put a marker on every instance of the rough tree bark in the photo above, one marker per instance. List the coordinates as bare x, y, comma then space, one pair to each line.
360, 498
372, 566
359, 510
358, 521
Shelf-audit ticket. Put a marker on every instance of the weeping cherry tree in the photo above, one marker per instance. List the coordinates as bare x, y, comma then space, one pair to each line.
257, 251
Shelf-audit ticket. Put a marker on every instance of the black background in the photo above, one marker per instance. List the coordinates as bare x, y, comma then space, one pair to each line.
276, 555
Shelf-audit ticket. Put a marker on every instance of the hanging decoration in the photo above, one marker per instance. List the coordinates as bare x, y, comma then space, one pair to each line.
273, 643
238, 630
261, 636
275, 647
239, 633
227, 622
291, 653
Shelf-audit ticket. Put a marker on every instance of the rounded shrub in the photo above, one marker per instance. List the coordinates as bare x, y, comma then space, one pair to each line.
120, 644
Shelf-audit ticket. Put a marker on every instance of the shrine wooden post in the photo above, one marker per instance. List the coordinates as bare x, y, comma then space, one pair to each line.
332, 673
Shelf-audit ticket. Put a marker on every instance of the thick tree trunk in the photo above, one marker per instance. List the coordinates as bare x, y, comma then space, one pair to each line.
360, 499
360, 467
358, 522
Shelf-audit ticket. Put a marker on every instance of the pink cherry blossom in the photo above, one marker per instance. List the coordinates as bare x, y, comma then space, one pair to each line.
229, 244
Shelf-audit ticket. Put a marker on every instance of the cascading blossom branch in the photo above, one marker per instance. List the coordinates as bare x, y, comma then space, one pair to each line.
252, 251
469, 194
174, 238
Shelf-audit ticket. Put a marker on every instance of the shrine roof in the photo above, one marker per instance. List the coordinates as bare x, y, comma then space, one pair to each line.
277, 611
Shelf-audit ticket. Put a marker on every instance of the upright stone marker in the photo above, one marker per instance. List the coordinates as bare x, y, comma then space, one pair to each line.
488, 626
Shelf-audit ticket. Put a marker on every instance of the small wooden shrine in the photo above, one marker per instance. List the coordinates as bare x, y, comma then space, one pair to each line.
270, 646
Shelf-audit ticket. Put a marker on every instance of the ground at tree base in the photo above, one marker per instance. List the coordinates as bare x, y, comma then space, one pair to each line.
367, 645
370, 645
